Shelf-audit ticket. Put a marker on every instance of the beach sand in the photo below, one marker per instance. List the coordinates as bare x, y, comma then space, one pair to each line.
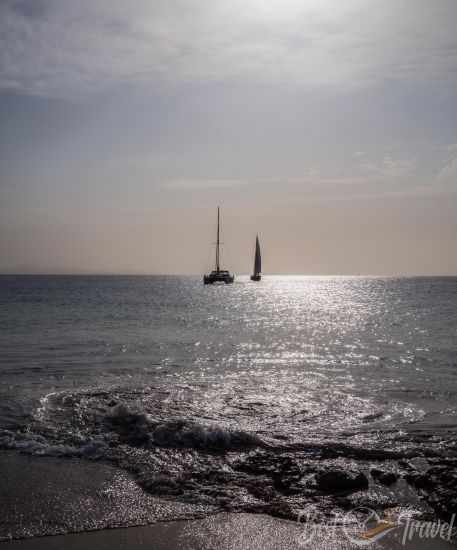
48, 496
222, 531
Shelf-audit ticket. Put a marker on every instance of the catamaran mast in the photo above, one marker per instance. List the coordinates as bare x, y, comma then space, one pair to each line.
218, 276
217, 243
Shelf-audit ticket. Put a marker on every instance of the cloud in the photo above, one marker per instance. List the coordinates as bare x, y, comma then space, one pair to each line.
298, 190
189, 184
451, 148
389, 168
447, 176
62, 49
26, 8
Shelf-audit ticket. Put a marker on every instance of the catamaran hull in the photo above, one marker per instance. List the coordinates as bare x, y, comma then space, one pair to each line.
208, 280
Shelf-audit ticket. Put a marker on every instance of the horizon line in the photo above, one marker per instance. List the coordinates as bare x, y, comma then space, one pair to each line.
136, 274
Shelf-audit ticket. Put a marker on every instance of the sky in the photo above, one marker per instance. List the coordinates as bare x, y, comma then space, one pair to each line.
329, 128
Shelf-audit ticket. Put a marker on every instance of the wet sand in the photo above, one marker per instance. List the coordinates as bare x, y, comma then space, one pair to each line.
52, 496
48, 496
222, 531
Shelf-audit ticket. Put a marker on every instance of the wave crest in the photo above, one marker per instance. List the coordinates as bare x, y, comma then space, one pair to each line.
138, 429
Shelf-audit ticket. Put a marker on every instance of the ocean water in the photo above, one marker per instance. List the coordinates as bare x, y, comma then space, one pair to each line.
200, 392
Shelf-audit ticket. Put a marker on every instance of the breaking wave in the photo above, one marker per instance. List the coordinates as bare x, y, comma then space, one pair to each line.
136, 428
175, 449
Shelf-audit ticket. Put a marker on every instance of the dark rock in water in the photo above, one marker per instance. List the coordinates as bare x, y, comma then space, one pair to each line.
344, 502
420, 481
444, 504
282, 469
385, 478
438, 486
162, 485
262, 491
287, 486
286, 477
406, 465
281, 474
443, 497
359, 453
281, 509
341, 481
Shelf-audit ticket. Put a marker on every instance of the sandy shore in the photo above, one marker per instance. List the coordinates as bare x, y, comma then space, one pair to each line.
48, 496
222, 532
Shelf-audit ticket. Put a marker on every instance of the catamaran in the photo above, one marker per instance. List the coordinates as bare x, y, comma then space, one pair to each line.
257, 262
218, 275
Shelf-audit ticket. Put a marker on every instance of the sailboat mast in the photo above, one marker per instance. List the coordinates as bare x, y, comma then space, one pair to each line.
216, 275
217, 242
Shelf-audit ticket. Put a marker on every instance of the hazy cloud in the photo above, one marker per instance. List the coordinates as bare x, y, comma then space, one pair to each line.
447, 177
61, 48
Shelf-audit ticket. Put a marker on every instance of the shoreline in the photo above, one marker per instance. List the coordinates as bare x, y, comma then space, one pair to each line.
224, 531
94, 505
42, 496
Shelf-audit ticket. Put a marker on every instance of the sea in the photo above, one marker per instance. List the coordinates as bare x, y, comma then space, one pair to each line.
203, 396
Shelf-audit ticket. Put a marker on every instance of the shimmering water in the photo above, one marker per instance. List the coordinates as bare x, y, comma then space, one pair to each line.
172, 379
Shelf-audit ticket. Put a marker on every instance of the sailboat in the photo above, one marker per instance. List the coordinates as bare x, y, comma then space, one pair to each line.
218, 275
257, 262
